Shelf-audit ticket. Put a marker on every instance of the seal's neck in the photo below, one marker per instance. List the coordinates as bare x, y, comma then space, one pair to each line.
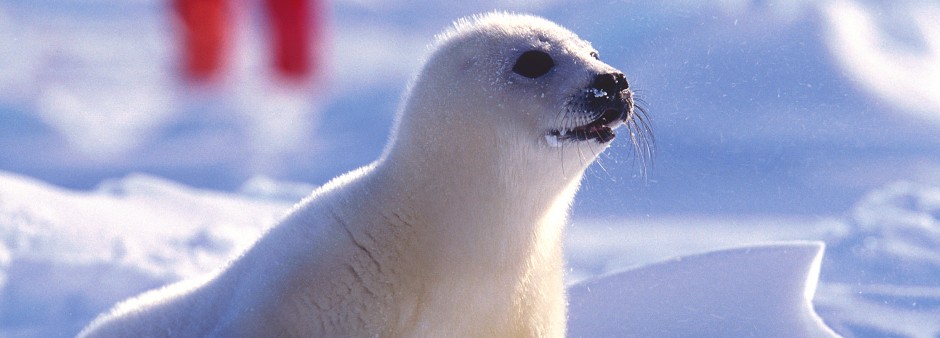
490, 243
495, 184
492, 204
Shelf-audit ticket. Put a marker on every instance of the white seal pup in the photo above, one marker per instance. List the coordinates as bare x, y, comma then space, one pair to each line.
455, 231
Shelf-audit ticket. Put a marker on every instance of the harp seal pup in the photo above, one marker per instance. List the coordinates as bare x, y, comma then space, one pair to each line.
456, 230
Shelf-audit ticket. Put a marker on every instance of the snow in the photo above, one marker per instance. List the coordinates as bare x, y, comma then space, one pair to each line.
67, 255
774, 121
904, 75
888, 263
755, 291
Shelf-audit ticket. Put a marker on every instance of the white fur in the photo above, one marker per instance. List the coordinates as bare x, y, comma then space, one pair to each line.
455, 231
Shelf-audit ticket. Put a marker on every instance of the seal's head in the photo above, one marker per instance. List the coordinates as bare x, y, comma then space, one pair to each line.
522, 84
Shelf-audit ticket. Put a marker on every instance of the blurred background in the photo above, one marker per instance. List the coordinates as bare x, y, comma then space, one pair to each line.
774, 120
759, 107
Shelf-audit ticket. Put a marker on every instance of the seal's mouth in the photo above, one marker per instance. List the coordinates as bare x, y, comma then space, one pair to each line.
601, 129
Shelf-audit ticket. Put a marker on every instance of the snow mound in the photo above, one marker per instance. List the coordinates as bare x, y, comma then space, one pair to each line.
888, 262
900, 222
266, 188
755, 291
66, 256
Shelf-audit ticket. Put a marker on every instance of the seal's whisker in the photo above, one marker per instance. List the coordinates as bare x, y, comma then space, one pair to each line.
561, 153
642, 117
561, 116
599, 162
641, 136
637, 148
580, 155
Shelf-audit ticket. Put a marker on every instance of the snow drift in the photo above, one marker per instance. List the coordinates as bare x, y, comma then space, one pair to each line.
755, 291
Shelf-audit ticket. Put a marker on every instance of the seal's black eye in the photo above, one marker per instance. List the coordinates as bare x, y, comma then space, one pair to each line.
594, 55
533, 64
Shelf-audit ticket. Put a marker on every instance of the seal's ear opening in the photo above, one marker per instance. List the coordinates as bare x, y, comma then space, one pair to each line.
533, 64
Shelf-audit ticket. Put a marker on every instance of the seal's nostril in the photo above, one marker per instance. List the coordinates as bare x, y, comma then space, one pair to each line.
622, 80
611, 82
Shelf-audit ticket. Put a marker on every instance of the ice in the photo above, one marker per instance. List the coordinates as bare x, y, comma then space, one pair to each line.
596, 92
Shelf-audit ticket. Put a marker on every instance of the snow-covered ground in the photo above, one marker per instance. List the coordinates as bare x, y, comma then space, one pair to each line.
774, 120
65, 255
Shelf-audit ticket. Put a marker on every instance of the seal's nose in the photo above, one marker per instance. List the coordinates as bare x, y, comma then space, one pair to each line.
611, 82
